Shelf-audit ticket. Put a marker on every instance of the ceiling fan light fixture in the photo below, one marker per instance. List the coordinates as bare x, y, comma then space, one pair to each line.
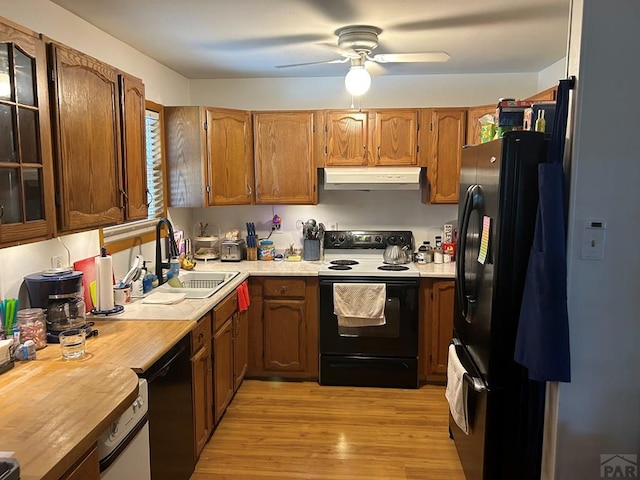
357, 80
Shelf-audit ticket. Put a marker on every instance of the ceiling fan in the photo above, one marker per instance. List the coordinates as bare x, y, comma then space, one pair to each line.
355, 44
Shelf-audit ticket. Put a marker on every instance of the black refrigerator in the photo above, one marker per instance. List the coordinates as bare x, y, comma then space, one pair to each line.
496, 221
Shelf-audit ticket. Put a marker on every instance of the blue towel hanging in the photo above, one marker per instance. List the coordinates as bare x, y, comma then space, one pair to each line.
542, 341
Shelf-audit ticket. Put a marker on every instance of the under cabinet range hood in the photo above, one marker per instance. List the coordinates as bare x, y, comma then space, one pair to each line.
372, 178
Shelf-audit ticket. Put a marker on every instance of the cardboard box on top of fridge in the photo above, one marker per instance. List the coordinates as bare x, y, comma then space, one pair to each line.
510, 113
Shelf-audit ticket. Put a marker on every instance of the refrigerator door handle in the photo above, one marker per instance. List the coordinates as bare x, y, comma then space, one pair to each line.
476, 383
467, 302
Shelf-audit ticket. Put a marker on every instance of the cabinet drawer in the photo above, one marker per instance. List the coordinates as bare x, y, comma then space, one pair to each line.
284, 287
201, 335
224, 310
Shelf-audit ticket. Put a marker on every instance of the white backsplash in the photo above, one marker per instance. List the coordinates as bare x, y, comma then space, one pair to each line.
342, 210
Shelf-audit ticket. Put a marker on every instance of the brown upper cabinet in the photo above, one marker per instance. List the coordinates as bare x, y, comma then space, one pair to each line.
444, 135
134, 149
371, 138
88, 137
284, 143
473, 124
548, 95
209, 156
27, 211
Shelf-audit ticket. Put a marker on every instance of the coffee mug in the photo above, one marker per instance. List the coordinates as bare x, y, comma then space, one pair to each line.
121, 295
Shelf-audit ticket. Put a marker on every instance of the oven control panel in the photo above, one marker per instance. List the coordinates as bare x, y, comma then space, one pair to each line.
377, 239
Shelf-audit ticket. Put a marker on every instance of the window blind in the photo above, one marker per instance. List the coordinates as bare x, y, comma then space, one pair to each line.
154, 164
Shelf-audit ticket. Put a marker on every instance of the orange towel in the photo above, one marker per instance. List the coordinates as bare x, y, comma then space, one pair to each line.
243, 296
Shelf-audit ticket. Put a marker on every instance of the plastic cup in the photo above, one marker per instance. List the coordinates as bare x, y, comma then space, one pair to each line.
72, 343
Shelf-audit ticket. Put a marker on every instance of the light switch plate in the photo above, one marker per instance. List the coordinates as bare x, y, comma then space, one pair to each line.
593, 240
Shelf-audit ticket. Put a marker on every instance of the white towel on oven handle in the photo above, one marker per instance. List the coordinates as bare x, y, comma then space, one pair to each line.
359, 304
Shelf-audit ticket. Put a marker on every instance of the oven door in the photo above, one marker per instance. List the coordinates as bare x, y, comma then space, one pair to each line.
398, 337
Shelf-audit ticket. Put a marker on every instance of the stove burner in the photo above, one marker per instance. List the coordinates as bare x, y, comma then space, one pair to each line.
393, 268
343, 262
339, 267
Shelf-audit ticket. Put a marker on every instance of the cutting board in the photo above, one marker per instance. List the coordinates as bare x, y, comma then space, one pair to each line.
88, 268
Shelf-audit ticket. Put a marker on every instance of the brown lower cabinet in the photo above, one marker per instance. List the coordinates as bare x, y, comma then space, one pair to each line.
436, 327
230, 352
202, 383
283, 327
87, 468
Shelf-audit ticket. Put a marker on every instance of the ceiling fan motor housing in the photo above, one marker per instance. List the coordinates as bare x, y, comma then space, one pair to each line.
359, 38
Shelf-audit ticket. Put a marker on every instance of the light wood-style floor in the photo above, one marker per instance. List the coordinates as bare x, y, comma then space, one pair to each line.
291, 430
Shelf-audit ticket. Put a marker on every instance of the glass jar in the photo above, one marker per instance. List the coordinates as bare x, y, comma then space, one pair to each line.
32, 326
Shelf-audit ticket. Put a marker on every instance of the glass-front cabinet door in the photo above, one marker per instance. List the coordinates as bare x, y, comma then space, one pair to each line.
26, 180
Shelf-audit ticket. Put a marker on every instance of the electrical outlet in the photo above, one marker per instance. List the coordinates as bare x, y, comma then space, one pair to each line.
333, 225
56, 261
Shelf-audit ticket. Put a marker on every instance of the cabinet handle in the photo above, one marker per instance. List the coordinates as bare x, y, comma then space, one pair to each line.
378, 152
125, 198
149, 194
283, 289
364, 151
1, 211
249, 190
201, 336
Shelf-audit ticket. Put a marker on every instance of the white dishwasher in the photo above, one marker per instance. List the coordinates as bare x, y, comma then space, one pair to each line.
124, 447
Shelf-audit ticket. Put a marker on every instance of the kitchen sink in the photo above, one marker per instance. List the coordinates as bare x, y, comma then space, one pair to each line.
199, 284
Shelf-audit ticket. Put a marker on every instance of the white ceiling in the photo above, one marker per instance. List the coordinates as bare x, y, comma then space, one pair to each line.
248, 38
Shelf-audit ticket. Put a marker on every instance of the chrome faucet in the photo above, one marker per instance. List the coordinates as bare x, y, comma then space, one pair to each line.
172, 250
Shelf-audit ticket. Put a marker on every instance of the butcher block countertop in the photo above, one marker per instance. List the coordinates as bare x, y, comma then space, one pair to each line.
53, 412
135, 344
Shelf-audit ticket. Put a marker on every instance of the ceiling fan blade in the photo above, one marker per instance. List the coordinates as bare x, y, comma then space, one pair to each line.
265, 42
335, 11
375, 69
341, 60
516, 12
411, 57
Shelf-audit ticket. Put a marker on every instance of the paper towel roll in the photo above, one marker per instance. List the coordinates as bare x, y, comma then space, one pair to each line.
104, 283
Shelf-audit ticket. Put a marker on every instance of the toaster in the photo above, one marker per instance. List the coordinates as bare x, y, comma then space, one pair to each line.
232, 251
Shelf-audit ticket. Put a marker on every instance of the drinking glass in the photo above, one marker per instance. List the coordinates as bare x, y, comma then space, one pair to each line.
72, 343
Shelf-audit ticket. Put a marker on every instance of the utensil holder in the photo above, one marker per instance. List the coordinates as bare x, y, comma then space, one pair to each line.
252, 253
311, 250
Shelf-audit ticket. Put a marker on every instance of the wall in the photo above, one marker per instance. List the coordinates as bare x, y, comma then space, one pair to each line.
386, 91
599, 411
363, 209
549, 76
400, 210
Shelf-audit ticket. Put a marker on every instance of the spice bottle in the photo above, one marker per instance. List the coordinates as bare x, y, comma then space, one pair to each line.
428, 256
